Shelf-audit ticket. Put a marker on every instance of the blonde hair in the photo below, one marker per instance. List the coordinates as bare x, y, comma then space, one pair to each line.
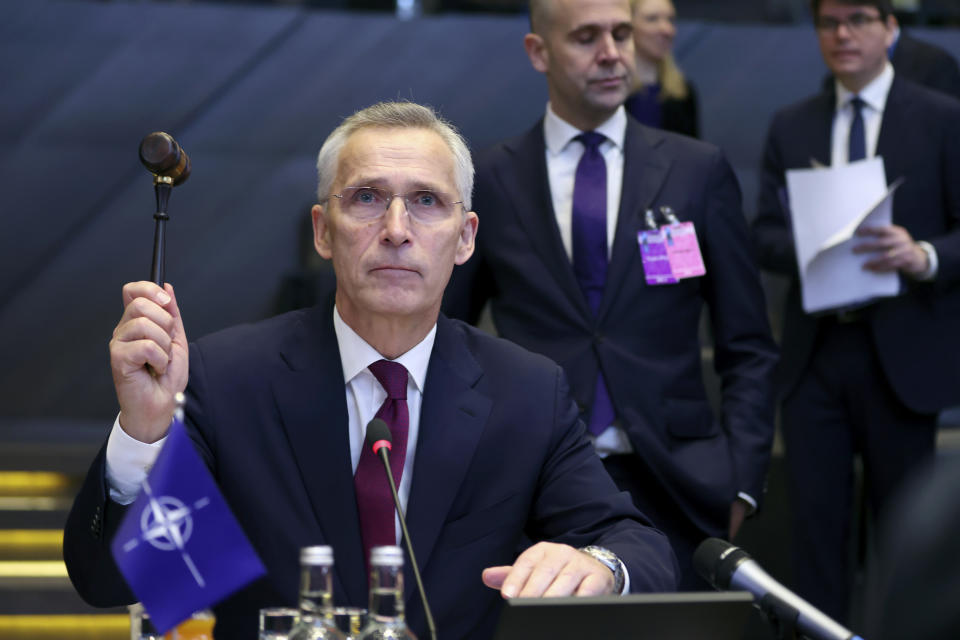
673, 85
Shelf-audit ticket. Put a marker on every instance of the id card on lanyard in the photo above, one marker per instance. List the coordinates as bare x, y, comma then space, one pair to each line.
671, 252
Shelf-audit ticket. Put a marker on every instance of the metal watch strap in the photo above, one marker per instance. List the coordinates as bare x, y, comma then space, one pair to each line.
610, 560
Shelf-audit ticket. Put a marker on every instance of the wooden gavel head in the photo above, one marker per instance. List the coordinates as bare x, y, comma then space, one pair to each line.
164, 158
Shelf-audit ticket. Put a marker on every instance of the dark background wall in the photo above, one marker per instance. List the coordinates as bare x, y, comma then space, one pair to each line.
251, 92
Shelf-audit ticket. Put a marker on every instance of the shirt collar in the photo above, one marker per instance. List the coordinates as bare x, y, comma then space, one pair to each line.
558, 133
356, 354
874, 94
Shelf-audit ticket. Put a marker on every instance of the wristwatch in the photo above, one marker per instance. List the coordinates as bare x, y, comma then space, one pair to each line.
610, 560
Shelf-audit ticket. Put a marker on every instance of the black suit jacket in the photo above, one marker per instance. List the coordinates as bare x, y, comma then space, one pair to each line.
926, 64
679, 115
645, 338
915, 333
500, 453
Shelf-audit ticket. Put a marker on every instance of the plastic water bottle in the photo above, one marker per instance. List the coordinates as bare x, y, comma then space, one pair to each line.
316, 596
385, 620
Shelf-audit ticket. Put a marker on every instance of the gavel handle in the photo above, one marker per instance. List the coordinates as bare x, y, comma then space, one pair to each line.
162, 189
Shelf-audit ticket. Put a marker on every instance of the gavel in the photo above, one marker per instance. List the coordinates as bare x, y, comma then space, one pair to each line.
170, 166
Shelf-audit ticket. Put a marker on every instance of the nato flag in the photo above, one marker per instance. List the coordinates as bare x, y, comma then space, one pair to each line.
179, 546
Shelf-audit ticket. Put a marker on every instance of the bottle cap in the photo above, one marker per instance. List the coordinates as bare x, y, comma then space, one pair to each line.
316, 555
390, 556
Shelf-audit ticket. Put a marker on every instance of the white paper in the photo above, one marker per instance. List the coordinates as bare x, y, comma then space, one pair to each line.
828, 205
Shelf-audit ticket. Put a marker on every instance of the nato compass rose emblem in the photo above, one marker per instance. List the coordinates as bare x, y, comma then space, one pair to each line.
166, 524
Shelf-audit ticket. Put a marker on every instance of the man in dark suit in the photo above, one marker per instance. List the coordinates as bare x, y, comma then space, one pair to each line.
278, 410
867, 380
569, 283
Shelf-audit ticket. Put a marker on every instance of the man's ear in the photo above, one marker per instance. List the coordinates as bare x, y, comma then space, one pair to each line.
891, 25
321, 232
536, 50
468, 236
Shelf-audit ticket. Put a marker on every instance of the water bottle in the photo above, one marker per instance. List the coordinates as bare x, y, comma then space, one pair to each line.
316, 596
385, 620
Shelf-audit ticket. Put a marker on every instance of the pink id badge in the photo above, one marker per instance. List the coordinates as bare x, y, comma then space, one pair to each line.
683, 250
653, 252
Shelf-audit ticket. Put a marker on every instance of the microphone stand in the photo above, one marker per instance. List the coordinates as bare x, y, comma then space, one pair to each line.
384, 456
161, 186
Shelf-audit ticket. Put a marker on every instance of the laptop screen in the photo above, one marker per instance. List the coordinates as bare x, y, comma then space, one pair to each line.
655, 616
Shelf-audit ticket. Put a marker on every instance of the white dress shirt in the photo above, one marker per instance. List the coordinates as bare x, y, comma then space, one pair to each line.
874, 96
129, 460
563, 156
365, 395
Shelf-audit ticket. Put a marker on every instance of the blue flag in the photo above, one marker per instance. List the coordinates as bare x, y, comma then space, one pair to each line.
179, 546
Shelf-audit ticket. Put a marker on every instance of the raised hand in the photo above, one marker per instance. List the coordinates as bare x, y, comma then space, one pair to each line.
148, 358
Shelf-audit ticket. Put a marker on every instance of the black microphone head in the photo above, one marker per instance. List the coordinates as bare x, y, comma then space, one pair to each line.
378, 431
716, 561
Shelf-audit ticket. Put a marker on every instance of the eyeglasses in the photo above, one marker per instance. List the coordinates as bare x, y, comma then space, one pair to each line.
854, 23
371, 203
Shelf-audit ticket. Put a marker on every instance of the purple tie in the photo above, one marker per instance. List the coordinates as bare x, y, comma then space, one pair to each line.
374, 502
589, 230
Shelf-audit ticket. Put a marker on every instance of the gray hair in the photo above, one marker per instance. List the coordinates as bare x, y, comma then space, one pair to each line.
395, 115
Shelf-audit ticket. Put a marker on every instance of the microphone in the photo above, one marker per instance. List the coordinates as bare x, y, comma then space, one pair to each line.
380, 440
728, 567
164, 158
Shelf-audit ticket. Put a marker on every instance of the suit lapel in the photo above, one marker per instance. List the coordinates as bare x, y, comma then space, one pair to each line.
311, 400
892, 144
529, 189
452, 418
645, 169
822, 131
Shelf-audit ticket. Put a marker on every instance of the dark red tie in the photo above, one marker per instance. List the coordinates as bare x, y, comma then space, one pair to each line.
374, 501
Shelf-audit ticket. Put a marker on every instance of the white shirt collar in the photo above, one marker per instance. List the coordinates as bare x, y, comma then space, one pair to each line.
558, 133
874, 94
356, 354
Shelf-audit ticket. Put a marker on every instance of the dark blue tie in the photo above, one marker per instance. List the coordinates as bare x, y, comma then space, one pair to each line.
858, 139
589, 230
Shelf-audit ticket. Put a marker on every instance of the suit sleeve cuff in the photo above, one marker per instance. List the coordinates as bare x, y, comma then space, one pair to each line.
128, 463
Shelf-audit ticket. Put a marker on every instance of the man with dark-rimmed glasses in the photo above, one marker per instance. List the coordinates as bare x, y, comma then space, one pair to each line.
869, 380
